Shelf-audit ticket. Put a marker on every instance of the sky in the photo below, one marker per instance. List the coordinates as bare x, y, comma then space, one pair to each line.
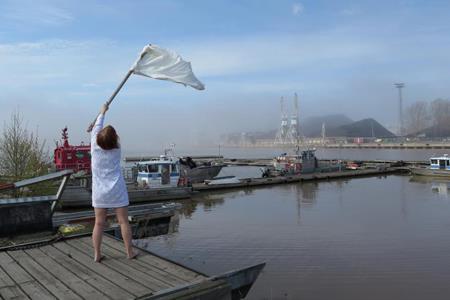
60, 60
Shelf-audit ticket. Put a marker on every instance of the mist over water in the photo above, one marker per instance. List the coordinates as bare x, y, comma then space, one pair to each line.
348, 154
369, 238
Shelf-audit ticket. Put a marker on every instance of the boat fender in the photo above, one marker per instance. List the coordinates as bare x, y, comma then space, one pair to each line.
182, 181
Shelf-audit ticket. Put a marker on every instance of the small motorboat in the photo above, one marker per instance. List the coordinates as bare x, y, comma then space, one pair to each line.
222, 180
439, 167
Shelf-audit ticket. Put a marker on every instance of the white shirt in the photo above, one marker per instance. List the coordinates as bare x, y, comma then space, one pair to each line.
108, 186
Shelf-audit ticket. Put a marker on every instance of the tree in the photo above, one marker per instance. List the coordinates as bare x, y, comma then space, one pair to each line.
440, 116
417, 117
22, 154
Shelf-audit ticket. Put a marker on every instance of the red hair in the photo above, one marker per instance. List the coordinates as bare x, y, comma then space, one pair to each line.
107, 138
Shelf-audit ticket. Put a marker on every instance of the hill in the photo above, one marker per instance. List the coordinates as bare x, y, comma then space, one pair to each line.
312, 127
363, 128
335, 126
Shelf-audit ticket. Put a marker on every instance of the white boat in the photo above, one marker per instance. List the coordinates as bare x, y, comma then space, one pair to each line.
159, 173
439, 167
170, 171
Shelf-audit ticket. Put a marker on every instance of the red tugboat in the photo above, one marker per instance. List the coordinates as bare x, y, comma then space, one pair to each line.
76, 158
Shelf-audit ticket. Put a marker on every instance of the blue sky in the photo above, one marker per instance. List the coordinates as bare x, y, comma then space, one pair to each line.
59, 60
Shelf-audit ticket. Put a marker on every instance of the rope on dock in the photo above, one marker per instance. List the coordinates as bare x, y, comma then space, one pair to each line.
34, 244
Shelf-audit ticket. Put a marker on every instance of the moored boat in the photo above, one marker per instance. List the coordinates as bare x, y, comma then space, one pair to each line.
163, 172
197, 173
78, 196
301, 162
439, 167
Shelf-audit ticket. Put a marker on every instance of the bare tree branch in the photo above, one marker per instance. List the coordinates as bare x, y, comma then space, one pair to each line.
22, 154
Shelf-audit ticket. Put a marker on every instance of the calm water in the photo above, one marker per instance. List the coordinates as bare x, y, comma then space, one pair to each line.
369, 238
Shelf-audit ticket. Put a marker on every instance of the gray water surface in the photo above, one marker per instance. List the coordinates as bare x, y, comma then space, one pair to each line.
367, 238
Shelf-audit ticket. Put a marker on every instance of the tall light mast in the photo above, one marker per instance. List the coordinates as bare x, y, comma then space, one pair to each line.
399, 86
324, 134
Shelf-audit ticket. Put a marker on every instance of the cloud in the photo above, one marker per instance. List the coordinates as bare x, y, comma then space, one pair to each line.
47, 62
273, 53
95, 63
25, 13
297, 9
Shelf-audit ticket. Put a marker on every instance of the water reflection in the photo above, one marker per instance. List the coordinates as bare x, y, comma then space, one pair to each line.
209, 201
439, 186
403, 199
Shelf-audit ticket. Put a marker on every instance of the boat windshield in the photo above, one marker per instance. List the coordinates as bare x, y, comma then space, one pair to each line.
153, 168
150, 168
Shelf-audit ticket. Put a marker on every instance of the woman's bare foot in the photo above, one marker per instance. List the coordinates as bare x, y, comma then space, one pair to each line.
99, 259
134, 255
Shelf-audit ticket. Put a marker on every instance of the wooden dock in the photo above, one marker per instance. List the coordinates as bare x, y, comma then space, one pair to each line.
66, 270
254, 182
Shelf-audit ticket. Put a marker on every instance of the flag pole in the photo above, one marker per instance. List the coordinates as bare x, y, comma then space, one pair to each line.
114, 94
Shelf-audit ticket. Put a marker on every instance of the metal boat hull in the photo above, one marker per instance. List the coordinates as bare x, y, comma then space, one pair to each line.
79, 196
201, 173
430, 172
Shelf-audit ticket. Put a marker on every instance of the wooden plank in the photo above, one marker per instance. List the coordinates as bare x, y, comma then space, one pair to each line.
72, 281
119, 265
180, 272
157, 262
108, 288
12, 292
32, 288
167, 279
5, 280
8, 288
44, 277
123, 281
170, 278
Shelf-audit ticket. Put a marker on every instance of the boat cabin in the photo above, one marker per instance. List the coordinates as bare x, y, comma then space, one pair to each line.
302, 162
72, 157
440, 163
158, 173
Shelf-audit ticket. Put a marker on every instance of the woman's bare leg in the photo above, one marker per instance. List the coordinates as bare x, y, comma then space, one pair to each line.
97, 234
125, 229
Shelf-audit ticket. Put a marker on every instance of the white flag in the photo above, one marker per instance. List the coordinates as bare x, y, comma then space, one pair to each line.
159, 63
